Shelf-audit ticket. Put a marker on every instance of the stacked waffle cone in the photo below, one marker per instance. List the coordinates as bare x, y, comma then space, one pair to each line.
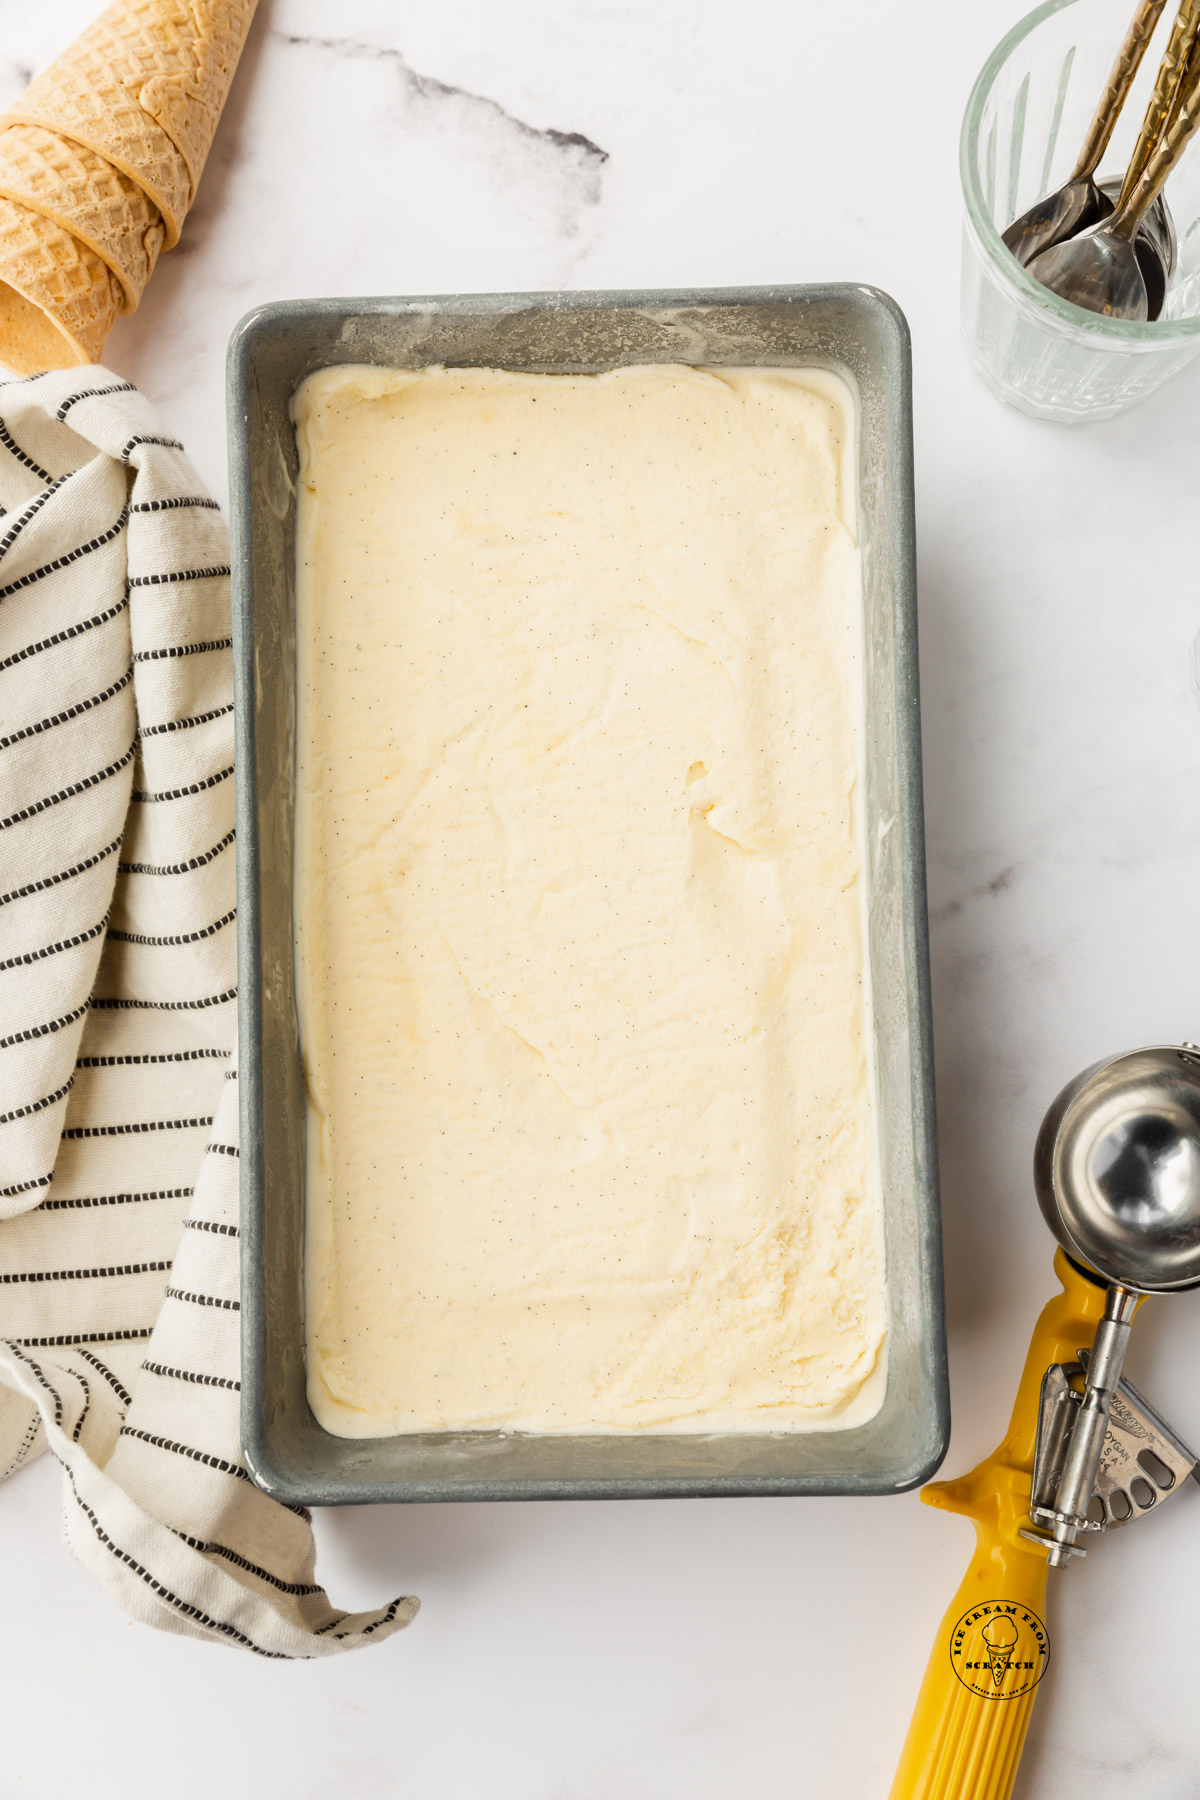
100, 160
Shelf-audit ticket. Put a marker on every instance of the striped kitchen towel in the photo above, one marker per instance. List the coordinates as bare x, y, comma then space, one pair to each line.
118, 1112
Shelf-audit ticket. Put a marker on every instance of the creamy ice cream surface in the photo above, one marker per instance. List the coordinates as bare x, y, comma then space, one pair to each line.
582, 984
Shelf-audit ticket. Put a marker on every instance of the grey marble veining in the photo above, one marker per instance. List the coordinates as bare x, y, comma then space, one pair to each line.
556, 158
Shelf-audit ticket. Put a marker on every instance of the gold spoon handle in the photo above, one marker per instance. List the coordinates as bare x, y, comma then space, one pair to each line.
1120, 81
1171, 73
1167, 152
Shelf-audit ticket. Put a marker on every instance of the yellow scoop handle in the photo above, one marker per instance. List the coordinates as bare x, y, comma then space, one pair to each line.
973, 1711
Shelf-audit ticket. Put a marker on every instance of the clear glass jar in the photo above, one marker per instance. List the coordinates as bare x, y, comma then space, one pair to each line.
1026, 119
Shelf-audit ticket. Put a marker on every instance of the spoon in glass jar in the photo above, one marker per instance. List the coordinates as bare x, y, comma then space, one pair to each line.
1099, 269
1079, 203
1161, 108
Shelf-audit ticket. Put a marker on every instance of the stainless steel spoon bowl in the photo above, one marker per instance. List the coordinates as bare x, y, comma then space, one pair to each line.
1117, 1169
1156, 246
1099, 270
1079, 203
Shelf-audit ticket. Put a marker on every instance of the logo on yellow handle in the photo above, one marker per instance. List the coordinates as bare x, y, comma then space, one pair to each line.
1000, 1635
999, 1650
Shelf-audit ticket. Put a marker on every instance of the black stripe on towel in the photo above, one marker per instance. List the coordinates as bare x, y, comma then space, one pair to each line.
31, 1431
218, 712
26, 1187
33, 1275
71, 712
87, 1401
62, 562
36, 1106
123, 1396
183, 868
366, 1631
112, 1004
157, 1056
182, 650
15, 449
71, 943
285, 1587
186, 937
37, 1031
200, 1456
69, 1339
40, 1376
153, 506
183, 793
164, 1593
168, 443
30, 512
219, 1381
174, 1293
120, 387
69, 793
63, 637
96, 1131
49, 881
115, 1199
174, 575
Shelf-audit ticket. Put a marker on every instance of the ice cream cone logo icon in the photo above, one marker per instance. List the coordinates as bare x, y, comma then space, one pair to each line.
1000, 1636
999, 1649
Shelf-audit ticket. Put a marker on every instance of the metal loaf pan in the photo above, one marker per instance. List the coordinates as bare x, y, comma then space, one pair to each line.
862, 335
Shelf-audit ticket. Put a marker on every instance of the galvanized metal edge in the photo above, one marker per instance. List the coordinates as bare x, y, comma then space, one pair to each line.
916, 909
249, 947
239, 378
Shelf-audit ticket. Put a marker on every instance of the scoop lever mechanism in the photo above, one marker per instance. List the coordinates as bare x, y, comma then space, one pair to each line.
1141, 1461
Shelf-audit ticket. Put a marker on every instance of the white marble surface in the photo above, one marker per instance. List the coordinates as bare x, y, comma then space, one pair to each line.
654, 1650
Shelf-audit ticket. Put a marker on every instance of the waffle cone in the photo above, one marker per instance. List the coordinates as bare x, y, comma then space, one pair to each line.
143, 87
98, 204
58, 299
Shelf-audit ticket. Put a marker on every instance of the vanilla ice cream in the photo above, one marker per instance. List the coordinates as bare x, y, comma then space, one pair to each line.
583, 999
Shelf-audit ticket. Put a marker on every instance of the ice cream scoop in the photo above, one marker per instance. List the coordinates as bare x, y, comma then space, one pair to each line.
1117, 1173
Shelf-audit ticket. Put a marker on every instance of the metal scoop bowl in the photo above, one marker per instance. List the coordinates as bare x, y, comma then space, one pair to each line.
1117, 1172
1117, 1169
